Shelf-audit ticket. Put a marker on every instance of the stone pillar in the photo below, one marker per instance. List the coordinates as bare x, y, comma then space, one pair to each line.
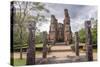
76, 44
45, 44
89, 51
67, 28
53, 29
31, 43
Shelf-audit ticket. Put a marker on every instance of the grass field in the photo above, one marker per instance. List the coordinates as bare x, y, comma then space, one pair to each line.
19, 62
25, 46
39, 45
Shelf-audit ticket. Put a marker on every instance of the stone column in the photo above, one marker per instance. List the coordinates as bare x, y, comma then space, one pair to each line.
76, 44
67, 28
89, 49
45, 44
31, 43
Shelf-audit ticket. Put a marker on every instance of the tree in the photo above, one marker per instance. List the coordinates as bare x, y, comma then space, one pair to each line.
94, 30
38, 38
94, 35
26, 11
82, 35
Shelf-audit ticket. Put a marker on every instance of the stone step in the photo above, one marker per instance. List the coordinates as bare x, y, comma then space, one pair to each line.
61, 50
60, 43
63, 47
61, 54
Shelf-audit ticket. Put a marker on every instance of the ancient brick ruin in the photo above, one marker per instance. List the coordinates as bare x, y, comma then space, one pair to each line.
60, 32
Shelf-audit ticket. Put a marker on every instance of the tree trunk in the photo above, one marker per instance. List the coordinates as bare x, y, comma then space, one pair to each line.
21, 55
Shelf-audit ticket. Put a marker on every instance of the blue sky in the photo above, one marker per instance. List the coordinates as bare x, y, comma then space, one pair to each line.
78, 14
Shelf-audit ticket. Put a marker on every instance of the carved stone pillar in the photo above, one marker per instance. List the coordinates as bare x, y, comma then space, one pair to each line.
76, 44
45, 44
31, 43
89, 49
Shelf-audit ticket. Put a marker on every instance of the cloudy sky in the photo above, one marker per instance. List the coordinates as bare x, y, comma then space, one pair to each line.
78, 14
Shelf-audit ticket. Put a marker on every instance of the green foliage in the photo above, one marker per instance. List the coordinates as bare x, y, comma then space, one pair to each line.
38, 38
16, 34
21, 18
94, 35
93, 30
19, 62
16, 38
82, 36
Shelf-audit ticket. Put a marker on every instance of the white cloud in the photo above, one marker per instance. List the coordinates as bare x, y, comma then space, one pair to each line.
78, 14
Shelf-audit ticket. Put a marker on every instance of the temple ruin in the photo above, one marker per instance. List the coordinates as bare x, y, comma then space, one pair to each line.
60, 32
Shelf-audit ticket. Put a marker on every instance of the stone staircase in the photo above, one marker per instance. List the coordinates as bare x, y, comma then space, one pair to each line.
60, 43
61, 53
60, 47
60, 50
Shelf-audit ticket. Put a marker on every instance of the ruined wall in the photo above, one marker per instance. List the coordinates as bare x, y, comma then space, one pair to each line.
53, 29
60, 32
67, 28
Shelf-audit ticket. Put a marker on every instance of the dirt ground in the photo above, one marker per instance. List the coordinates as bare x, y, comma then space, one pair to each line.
58, 52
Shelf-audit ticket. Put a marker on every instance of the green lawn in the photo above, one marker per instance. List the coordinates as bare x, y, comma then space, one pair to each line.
94, 50
25, 46
19, 62
39, 45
